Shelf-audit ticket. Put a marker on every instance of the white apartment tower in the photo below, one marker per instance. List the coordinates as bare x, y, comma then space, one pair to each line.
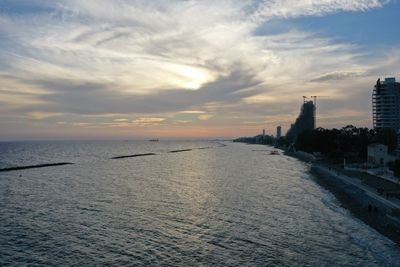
386, 104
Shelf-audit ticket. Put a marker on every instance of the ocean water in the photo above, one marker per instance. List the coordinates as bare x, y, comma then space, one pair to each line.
225, 204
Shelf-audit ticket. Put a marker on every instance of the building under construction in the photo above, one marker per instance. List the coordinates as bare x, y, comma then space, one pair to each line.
305, 121
386, 104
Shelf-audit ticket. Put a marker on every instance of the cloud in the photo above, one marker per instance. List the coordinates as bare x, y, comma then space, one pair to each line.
148, 121
192, 112
339, 76
43, 115
121, 120
91, 98
297, 8
205, 117
182, 121
181, 60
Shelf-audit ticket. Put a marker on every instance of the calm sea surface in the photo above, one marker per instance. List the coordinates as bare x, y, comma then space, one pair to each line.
232, 205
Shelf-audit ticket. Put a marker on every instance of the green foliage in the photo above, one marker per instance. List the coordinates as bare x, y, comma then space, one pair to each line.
396, 168
350, 142
386, 136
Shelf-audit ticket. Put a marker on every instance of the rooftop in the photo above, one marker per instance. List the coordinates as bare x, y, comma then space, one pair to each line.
390, 80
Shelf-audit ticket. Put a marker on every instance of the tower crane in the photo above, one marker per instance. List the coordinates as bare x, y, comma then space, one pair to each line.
314, 97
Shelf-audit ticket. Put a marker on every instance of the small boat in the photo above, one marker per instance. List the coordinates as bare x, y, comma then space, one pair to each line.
153, 140
274, 152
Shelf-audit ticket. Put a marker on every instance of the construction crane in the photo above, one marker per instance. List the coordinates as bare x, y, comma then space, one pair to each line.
314, 97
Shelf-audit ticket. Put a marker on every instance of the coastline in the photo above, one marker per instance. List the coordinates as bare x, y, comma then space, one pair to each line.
355, 199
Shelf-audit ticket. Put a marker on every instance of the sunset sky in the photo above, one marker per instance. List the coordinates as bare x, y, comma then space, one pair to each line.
110, 69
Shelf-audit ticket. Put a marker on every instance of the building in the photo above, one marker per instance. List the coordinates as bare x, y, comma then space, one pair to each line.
378, 155
386, 104
398, 144
305, 121
278, 132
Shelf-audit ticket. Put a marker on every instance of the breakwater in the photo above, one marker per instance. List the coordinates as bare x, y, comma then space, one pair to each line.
180, 150
134, 156
31, 165
34, 166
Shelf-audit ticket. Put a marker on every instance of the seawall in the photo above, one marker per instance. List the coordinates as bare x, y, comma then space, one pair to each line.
361, 201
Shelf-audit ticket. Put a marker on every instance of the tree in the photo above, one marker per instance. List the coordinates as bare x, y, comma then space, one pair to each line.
387, 137
349, 142
396, 168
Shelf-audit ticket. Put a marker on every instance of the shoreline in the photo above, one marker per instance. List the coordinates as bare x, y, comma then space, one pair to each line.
355, 200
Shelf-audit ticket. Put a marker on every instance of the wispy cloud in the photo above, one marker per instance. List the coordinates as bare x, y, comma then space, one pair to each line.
178, 59
148, 121
297, 8
205, 117
339, 75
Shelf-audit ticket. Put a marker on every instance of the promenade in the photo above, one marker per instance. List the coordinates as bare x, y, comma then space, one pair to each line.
392, 203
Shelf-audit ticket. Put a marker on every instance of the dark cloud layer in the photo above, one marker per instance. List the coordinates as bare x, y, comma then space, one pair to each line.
90, 98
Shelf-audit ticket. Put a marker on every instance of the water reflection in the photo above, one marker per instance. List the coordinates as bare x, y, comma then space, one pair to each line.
221, 206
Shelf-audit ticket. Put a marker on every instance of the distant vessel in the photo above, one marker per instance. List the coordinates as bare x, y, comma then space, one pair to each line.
274, 152
153, 140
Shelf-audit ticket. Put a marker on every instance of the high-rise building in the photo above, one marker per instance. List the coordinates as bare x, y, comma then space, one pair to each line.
278, 132
305, 121
386, 104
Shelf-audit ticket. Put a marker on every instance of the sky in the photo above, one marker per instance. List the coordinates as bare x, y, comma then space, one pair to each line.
138, 69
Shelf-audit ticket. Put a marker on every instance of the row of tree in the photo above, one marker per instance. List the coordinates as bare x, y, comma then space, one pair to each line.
258, 139
350, 142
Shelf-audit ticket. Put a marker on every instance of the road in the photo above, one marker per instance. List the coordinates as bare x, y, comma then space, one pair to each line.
357, 183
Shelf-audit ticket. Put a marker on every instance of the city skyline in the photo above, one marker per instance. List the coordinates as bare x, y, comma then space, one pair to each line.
189, 69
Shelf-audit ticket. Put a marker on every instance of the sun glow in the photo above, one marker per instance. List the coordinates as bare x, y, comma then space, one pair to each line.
192, 78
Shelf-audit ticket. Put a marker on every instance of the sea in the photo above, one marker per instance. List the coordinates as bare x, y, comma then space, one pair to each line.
190, 203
